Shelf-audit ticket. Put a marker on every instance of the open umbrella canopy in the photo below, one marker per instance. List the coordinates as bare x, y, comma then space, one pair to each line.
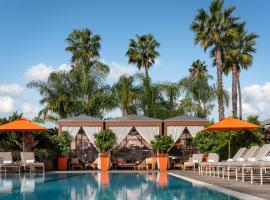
22, 125
231, 124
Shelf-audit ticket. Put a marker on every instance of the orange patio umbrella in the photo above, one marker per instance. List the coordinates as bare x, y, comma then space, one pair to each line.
231, 124
22, 125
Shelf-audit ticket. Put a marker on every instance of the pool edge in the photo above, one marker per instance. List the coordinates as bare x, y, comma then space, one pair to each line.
223, 190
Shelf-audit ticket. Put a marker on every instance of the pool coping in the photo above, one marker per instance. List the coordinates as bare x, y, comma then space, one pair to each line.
223, 190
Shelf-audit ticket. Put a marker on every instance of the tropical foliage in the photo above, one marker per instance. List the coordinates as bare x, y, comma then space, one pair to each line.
162, 143
104, 141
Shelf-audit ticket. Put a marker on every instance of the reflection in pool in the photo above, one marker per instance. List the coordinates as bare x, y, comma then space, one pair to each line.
102, 186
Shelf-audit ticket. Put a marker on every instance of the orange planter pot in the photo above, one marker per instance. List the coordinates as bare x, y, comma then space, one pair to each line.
104, 162
163, 161
62, 163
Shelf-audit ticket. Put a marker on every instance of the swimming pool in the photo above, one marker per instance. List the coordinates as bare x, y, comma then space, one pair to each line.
103, 186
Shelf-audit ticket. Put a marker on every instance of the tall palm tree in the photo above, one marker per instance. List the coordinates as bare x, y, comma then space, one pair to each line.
211, 30
142, 51
238, 55
198, 68
126, 94
83, 45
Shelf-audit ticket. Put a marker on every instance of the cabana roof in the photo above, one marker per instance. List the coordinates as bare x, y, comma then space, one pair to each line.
81, 118
133, 118
185, 118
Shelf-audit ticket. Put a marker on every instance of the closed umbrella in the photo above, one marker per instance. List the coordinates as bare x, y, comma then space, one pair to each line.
23, 126
231, 124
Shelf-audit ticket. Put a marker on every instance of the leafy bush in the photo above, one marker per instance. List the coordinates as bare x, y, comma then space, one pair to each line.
217, 142
162, 143
105, 141
62, 143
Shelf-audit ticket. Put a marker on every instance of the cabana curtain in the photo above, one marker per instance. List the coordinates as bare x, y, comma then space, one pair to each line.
72, 130
90, 131
175, 131
148, 132
120, 132
194, 130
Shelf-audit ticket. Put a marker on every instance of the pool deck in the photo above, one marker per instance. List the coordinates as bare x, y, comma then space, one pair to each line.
261, 191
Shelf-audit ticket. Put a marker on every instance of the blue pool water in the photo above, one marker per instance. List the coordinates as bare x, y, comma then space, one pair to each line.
103, 186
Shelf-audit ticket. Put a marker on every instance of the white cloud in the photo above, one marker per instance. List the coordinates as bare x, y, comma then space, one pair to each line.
114, 113
119, 69
11, 89
256, 100
7, 104
42, 71
29, 110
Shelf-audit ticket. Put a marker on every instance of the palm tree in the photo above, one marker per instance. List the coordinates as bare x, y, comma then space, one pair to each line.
83, 45
212, 30
198, 68
171, 93
142, 51
238, 55
126, 94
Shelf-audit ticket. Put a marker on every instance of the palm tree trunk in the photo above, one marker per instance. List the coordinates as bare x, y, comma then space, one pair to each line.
234, 90
219, 83
240, 95
124, 112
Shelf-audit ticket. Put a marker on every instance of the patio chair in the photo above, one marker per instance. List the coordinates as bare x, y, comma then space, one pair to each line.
76, 163
231, 166
148, 162
216, 166
92, 165
6, 161
258, 162
28, 161
207, 166
194, 161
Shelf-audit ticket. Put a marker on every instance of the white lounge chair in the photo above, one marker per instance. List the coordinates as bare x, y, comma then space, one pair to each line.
207, 166
218, 166
232, 166
194, 161
6, 162
28, 161
255, 163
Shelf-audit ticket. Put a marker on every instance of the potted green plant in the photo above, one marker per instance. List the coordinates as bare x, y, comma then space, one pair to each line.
162, 144
63, 143
104, 142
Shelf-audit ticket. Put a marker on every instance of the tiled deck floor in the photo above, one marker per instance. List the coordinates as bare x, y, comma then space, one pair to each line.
262, 191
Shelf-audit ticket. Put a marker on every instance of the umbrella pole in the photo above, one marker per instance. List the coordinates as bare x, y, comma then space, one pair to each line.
23, 141
229, 145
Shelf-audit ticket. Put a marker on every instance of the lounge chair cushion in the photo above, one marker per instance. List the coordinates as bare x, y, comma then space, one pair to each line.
266, 158
7, 162
29, 161
75, 161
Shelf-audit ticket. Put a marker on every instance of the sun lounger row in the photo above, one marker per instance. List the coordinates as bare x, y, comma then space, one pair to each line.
28, 162
247, 164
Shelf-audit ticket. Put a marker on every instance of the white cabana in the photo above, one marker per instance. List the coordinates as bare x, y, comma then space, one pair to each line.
72, 130
175, 131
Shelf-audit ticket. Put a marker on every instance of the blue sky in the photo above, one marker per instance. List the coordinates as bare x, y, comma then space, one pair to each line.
33, 34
